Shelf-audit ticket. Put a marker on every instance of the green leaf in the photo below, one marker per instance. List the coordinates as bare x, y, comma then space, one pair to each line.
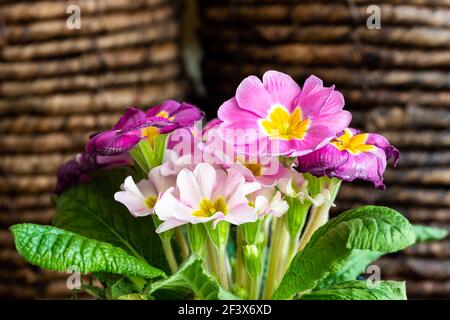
90, 210
355, 265
359, 259
424, 233
56, 249
371, 228
360, 290
192, 278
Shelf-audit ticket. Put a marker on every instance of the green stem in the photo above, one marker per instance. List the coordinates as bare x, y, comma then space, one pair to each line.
254, 288
241, 273
277, 253
284, 244
182, 243
170, 256
293, 244
222, 268
319, 216
211, 257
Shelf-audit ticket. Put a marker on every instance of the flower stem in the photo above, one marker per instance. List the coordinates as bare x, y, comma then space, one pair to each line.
211, 257
293, 244
319, 216
241, 273
182, 243
170, 256
254, 288
222, 269
277, 255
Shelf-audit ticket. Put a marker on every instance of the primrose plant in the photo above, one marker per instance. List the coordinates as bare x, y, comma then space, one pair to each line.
160, 208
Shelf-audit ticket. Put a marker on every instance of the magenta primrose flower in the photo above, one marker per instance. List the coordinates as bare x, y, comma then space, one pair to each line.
351, 155
136, 124
284, 118
110, 148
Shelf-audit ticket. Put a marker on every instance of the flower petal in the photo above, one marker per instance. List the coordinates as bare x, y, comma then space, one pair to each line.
111, 143
313, 97
241, 214
169, 207
206, 178
169, 224
281, 87
130, 116
252, 96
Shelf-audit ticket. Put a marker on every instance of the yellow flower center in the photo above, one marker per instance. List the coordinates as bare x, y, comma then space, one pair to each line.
151, 133
354, 144
150, 202
208, 208
164, 114
252, 165
281, 124
254, 168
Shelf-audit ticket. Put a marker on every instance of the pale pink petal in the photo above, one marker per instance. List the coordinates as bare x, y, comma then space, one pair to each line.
225, 185
246, 173
250, 187
160, 182
241, 214
174, 163
135, 204
219, 216
271, 172
190, 191
281, 87
261, 205
252, 96
147, 188
169, 224
131, 187
168, 207
277, 206
206, 178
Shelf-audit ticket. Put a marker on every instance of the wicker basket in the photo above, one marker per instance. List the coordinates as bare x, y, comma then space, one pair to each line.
57, 86
396, 81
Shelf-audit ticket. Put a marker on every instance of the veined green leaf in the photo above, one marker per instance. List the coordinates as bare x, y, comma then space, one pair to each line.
56, 249
359, 260
356, 264
360, 290
90, 210
192, 278
372, 228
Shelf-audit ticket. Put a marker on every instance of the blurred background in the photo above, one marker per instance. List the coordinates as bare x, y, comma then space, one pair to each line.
69, 68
